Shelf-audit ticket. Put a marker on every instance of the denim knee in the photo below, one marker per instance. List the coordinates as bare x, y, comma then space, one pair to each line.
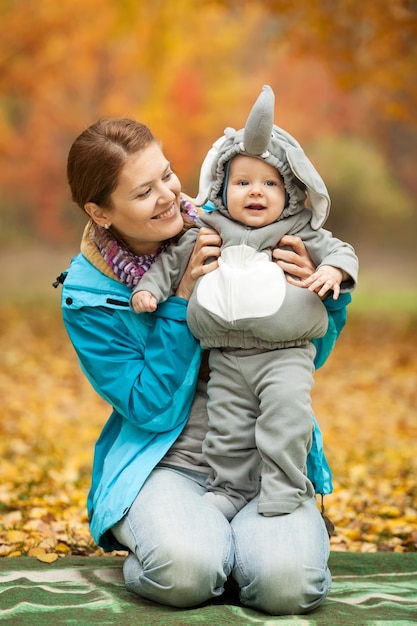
181, 546
292, 591
179, 580
281, 562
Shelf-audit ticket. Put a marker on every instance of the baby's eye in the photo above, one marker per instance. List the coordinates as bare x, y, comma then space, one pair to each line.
243, 182
270, 183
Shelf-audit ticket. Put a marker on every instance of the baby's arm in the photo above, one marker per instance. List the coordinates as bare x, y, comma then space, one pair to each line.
326, 278
143, 302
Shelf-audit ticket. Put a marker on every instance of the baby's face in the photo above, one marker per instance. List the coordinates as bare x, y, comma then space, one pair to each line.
255, 192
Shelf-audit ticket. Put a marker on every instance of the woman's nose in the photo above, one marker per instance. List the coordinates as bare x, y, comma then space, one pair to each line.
166, 193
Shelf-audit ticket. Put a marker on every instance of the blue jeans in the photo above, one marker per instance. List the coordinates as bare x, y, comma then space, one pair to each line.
183, 549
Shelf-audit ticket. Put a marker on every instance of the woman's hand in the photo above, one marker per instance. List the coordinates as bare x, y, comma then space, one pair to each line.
296, 263
207, 246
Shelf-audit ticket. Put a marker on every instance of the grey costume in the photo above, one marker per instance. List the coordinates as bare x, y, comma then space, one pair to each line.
257, 326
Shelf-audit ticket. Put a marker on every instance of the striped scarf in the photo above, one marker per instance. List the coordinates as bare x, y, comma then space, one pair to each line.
99, 245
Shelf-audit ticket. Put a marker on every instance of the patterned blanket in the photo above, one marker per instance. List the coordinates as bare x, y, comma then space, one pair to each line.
368, 590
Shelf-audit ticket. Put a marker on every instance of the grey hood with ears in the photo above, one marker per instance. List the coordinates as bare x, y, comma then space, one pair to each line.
262, 139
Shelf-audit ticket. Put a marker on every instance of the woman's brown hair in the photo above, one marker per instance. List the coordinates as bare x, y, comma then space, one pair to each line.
97, 156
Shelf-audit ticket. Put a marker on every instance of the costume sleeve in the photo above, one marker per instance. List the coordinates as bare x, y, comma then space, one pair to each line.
144, 374
336, 311
164, 276
325, 249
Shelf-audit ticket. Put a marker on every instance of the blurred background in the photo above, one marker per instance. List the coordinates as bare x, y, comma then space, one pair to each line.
344, 73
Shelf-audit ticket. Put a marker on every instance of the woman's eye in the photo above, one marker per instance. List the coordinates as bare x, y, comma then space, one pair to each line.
168, 175
144, 193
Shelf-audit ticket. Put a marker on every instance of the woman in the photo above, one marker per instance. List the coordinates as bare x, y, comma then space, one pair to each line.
149, 473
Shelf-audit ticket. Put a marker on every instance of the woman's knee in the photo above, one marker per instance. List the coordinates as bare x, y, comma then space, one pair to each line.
179, 580
181, 545
281, 561
292, 590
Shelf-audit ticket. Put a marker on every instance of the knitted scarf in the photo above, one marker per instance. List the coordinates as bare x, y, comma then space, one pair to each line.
127, 266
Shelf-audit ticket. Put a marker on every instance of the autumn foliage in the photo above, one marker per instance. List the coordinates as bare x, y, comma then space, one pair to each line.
364, 398
188, 69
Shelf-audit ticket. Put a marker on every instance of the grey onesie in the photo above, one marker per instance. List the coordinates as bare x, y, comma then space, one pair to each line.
258, 328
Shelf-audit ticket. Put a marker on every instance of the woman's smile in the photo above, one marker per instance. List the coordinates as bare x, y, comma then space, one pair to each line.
166, 214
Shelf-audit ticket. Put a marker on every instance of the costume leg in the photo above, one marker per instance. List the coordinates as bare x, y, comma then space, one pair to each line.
229, 446
281, 561
181, 548
283, 380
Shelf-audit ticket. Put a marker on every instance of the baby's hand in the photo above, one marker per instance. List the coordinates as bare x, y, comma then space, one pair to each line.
326, 278
144, 302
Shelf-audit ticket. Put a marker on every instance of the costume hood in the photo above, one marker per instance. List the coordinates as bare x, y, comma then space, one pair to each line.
262, 139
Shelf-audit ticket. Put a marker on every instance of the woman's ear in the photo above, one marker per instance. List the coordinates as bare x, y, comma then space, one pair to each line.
99, 215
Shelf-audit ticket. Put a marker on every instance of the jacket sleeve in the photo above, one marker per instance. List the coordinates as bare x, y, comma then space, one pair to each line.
142, 375
336, 311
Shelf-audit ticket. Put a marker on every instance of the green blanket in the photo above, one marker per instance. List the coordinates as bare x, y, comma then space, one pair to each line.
368, 590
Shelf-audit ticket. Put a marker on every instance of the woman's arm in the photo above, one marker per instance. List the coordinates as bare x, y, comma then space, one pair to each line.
298, 266
140, 366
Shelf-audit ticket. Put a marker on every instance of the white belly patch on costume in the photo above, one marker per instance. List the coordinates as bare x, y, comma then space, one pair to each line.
247, 284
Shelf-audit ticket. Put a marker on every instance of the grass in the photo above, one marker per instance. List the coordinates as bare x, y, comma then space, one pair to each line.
403, 301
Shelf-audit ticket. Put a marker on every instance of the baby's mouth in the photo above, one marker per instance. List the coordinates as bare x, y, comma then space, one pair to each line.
255, 207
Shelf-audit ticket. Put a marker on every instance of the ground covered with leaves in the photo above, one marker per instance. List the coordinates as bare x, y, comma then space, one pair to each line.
365, 399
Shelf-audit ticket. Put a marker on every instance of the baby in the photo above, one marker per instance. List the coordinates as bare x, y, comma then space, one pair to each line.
258, 327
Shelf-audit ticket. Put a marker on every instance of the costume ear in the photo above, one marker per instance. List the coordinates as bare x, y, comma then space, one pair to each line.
305, 171
258, 127
208, 171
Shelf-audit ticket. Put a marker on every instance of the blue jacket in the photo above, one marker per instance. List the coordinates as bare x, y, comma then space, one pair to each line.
146, 367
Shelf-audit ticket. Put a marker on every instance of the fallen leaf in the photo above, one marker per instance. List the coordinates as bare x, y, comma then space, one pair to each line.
49, 557
36, 552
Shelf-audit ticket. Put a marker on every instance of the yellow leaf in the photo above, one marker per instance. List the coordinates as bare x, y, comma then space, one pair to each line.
36, 552
354, 534
15, 536
51, 557
62, 547
47, 543
38, 512
389, 511
12, 518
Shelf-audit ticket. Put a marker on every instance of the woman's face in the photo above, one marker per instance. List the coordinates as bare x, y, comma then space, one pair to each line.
146, 201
